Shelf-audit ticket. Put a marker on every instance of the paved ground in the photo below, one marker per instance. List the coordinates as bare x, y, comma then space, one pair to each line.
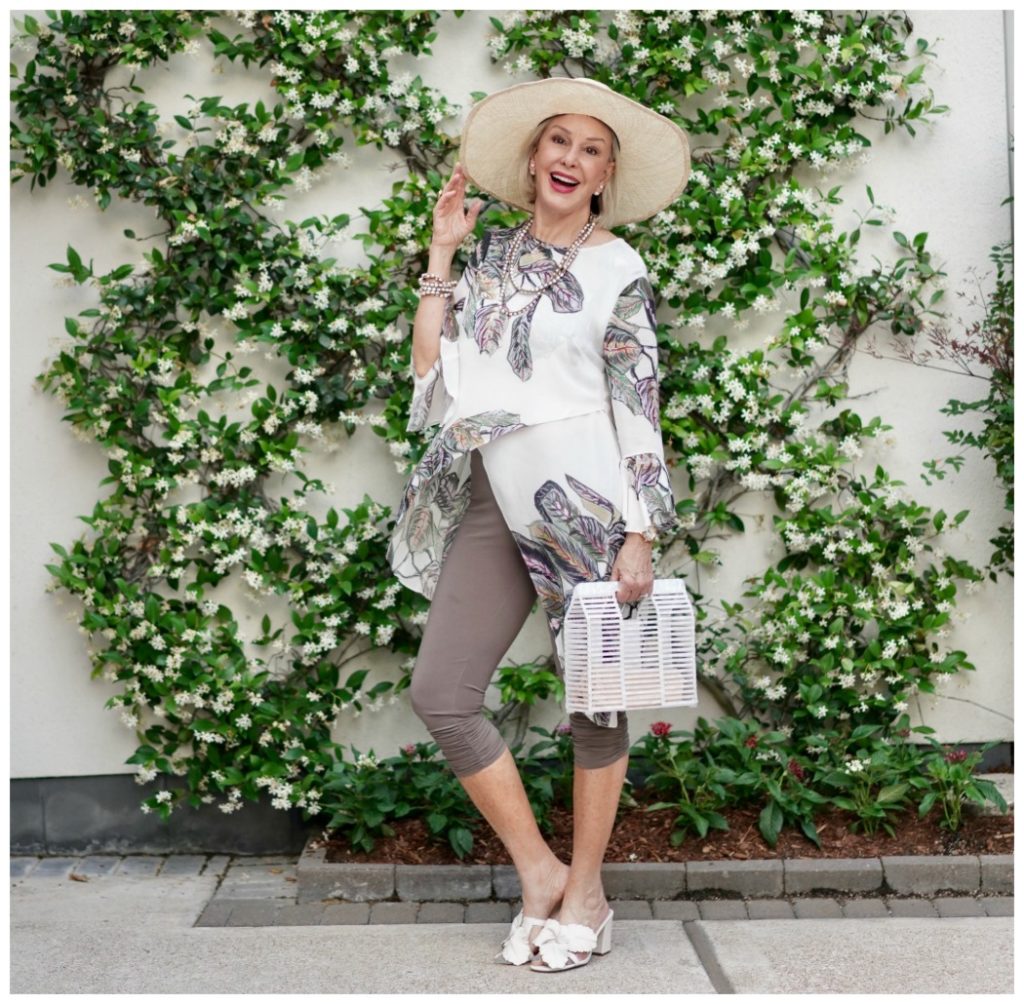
188, 923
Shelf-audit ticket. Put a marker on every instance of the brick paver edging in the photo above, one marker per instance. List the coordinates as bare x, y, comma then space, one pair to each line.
910, 874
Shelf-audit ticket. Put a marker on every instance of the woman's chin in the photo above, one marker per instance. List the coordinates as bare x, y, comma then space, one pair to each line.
554, 202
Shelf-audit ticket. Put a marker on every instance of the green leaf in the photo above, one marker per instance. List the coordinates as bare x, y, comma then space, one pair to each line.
770, 823
717, 820
892, 792
461, 840
991, 793
810, 830
863, 730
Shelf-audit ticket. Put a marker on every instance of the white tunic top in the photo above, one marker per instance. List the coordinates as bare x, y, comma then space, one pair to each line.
562, 403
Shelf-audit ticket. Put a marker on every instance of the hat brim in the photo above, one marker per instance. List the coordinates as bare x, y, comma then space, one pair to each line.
653, 162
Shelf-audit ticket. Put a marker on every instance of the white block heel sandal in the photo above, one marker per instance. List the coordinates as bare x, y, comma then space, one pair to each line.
515, 949
559, 944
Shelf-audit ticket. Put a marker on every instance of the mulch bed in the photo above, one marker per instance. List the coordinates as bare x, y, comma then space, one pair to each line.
640, 836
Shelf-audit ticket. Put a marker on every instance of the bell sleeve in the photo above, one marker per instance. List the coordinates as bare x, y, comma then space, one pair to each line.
434, 392
630, 352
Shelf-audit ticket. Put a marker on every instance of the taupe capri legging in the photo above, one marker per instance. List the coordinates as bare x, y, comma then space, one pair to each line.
483, 596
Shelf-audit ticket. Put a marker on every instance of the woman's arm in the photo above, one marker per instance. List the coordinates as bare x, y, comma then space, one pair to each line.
631, 369
431, 314
436, 321
435, 315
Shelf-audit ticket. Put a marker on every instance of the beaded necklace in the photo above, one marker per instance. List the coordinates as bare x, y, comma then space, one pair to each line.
512, 255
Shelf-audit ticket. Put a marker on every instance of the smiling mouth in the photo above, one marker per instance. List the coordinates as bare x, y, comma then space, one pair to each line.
561, 186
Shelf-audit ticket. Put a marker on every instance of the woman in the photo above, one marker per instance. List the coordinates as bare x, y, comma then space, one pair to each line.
540, 364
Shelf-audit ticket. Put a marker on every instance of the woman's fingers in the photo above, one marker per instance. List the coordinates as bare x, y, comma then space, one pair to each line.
451, 199
631, 590
453, 186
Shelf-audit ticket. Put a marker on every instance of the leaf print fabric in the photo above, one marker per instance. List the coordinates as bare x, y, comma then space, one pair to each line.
628, 359
630, 352
651, 485
536, 268
519, 356
572, 544
562, 403
435, 497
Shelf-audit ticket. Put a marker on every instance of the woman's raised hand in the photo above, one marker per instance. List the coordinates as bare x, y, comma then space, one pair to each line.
452, 224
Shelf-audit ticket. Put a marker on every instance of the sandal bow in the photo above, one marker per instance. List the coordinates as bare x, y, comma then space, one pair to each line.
515, 949
557, 940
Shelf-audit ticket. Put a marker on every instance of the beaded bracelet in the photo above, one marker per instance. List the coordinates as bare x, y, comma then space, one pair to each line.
428, 290
432, 284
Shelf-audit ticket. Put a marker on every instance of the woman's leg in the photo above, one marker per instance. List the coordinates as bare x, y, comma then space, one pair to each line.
595, 794
497, 791
484, 594
601, 756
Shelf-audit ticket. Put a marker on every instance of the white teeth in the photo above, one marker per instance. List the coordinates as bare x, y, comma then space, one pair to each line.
563, 178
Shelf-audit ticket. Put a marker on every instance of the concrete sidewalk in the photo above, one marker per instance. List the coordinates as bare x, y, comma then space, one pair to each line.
121, 933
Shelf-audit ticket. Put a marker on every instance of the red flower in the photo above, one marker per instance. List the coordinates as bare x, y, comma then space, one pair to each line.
795, 769
661, 729
750, 741
956, 756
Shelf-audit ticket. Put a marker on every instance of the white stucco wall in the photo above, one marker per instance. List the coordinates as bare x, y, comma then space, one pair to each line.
949, 181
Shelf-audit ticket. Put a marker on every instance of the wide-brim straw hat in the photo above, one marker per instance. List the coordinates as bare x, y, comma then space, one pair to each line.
653, 162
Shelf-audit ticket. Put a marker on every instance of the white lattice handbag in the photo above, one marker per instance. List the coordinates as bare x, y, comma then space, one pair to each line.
646, 659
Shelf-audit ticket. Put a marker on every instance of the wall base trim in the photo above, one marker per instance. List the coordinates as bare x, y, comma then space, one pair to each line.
100, 815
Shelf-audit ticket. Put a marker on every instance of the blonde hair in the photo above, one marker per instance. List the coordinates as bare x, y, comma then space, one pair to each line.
605, 202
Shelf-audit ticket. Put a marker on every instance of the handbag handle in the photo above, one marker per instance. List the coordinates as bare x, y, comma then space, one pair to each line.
608, 588
604, 587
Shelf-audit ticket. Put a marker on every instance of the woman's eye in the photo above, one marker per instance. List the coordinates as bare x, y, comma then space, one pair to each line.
590, 149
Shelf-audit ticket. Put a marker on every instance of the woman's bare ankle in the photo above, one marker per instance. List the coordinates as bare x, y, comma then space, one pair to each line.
588, 898
546, 883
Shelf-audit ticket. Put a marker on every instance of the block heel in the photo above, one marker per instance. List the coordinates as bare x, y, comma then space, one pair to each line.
604, 937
